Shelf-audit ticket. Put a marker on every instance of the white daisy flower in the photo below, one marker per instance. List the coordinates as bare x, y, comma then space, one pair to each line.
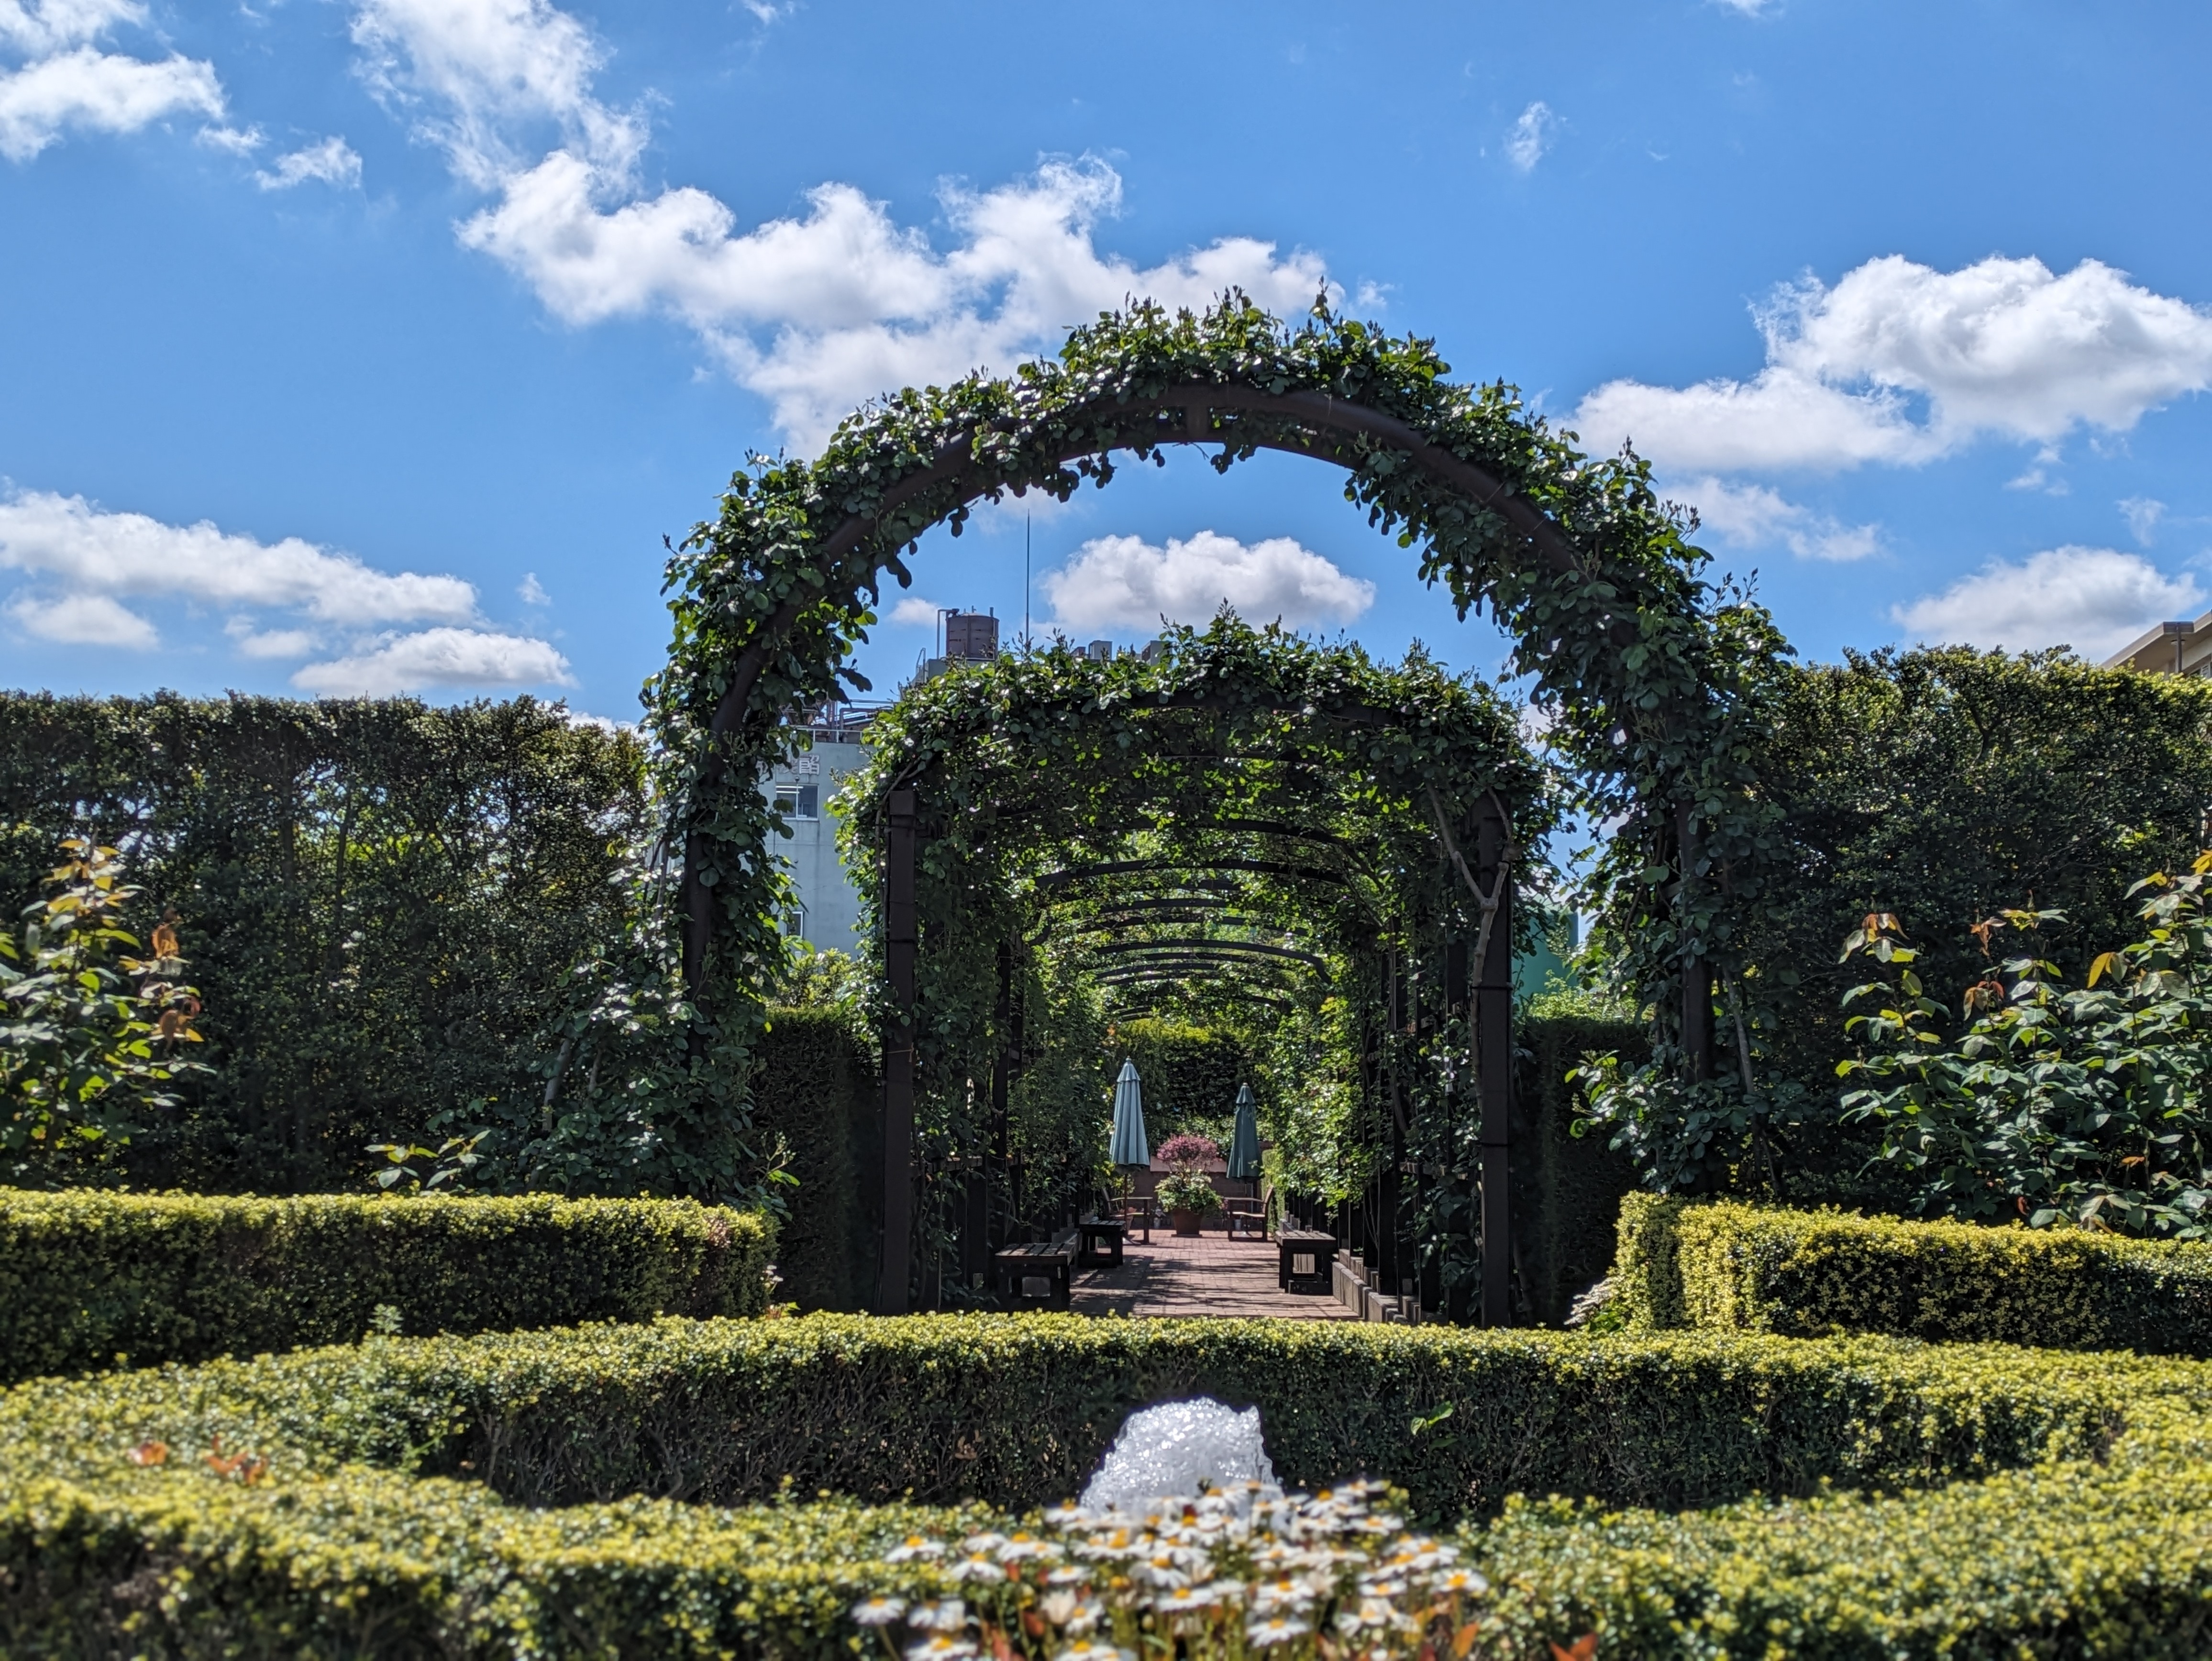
878, 1611
941, 1647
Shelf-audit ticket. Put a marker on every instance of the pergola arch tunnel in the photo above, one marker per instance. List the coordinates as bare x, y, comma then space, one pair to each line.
1641, 667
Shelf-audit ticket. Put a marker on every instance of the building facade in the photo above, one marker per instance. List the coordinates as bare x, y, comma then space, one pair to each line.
826, 911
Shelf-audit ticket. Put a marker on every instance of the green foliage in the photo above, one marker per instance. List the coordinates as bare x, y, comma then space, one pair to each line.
1187, 1190
1568, 1182
1647, 670
1190, 1074
1016, 1409
384, 901
1238, 787
2009, 1503
1940, 787
90, 1040
2087, 1106
1814, 1273
86, 1276
816, 1109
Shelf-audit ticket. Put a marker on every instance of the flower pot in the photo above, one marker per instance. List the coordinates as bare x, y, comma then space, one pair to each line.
1186, 1222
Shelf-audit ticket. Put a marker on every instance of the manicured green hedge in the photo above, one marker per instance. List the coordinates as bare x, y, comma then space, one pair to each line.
88, 1277
815, 1089
2071, 1523
1016, 1410
1814, 1273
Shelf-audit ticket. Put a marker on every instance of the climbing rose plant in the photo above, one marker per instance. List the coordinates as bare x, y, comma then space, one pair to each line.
91, 1038
2087, 1106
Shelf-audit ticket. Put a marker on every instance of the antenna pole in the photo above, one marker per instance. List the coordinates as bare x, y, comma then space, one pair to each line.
1025, 582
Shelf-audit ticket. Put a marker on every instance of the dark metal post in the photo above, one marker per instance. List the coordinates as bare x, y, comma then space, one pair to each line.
1493, 1038
901, 942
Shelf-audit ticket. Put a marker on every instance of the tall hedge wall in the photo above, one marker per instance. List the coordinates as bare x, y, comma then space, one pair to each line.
87, 1279
1567, 1190
379, 899
815, 1089
2009, 1504
1812, 1274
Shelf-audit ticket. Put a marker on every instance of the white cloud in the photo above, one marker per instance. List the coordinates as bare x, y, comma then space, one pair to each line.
2142, 514
99, 92
41, 30
252, 642
820, 312
83, 563
332, 161
1128, 582
1753, 516
2001, 347
1531, 136
531, 591
815, 312
85, 620
492, 69
915, 612
437, 658
1748, 8
84, 549
2095, 599
238, 141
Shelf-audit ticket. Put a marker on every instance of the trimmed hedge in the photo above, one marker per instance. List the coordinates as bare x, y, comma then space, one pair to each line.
814, 1086
381, 902
2072, 1524
88, 1278
1817, 1273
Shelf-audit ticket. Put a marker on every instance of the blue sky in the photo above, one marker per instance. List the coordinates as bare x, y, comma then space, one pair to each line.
369, 345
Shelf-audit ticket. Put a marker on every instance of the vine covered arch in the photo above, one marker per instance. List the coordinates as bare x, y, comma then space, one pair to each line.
1644, 670
1280, 821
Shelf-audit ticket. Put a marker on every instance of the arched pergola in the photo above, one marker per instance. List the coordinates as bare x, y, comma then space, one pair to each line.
1644, 670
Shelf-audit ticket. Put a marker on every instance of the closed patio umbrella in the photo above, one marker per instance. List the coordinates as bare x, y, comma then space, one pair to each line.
1130, 1146
1244, 1140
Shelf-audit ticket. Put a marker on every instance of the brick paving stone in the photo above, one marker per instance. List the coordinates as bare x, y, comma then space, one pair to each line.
1210, 1275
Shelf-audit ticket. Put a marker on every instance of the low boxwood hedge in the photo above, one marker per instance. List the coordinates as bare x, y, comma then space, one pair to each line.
1961, 1500
92, 1280
1817, 1273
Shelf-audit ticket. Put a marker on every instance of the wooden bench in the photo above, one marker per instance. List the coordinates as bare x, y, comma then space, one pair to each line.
1099, 1243
1036, 1276
1306, 1259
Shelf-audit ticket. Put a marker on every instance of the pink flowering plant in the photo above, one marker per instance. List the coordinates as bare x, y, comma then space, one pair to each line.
1234, 1574
1188, 1152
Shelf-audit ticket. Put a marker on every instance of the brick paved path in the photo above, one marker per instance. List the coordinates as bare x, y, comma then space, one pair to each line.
1212, 1274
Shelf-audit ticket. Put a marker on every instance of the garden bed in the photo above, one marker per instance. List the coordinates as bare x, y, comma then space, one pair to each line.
1996, 1501
91, 1279
1818, 1273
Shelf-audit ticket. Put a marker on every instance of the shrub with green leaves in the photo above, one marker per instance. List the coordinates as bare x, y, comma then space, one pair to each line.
597, 1491
1813, 1273
88, 1277
91, 1038
2093, 1106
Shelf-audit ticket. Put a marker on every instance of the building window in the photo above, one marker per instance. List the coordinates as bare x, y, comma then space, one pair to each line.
799, 801
794, 922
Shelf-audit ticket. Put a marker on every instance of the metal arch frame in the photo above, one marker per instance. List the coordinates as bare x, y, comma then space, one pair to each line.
1315, 425
1308, 424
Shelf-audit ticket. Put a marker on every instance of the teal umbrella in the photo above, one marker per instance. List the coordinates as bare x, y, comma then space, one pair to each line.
1130, 1146
1244, 1140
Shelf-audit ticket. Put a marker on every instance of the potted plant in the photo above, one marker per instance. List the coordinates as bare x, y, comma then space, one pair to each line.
1185, 1194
